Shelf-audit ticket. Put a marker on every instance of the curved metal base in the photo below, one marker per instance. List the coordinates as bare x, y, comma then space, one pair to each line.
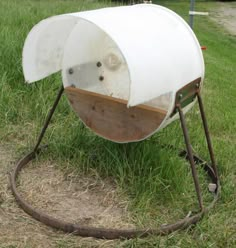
106, 233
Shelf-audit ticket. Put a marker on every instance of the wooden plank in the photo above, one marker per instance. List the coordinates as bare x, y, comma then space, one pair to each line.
110, 118
143, 106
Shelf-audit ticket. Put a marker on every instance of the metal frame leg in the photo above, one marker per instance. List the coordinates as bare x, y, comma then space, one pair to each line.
49, 117
190, 156
207, 134
183, 97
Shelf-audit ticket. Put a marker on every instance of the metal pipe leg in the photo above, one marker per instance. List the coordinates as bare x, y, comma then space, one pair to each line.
50, 114
190, 156
207, 134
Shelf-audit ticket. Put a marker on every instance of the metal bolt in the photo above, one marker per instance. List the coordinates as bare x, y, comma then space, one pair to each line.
99, 64
101, 78
70, 71
180, 96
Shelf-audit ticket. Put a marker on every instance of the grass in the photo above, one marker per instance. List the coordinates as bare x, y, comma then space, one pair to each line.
157, 182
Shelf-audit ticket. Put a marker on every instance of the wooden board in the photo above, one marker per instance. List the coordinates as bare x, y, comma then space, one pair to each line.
110, 118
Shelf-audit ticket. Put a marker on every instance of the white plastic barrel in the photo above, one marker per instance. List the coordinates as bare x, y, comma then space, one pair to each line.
142, 53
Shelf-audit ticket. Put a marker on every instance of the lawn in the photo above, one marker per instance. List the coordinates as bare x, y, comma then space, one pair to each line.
156, 182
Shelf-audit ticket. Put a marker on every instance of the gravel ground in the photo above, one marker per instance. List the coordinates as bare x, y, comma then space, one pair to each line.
225, 15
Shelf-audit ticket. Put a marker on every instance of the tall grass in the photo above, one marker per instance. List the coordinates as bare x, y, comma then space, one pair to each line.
157, 182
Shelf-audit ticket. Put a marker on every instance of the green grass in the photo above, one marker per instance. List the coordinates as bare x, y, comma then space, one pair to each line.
157, 182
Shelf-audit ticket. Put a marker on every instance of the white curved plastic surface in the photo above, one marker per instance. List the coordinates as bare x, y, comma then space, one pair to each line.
83, 54
147, 53
44, 47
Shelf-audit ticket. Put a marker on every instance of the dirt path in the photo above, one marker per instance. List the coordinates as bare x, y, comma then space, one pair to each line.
225, 15
88, 201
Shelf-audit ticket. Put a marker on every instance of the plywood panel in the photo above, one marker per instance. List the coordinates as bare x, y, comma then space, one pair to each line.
110, 118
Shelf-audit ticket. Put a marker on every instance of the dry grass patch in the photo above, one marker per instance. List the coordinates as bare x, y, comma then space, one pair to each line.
62, 194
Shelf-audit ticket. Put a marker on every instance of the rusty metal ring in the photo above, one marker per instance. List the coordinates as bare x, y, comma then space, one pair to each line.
106, 233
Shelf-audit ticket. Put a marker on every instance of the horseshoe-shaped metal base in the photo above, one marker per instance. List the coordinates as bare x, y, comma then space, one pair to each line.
108, 233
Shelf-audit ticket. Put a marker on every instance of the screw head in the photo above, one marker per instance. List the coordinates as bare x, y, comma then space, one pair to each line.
70, 71
99, 64
101, 78
180, 96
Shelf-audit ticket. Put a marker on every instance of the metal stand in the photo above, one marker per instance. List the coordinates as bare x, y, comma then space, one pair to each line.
183, 97
48, 119
190, 157
189, 92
